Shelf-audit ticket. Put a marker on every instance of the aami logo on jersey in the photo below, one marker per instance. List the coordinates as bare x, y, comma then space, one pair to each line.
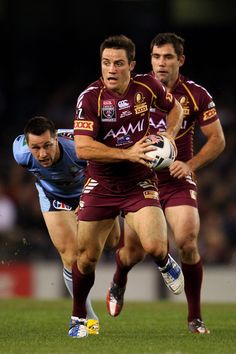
83, 125
126, 131
60, 205
108, 111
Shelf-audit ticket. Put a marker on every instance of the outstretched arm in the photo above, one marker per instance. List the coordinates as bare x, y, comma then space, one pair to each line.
214, 145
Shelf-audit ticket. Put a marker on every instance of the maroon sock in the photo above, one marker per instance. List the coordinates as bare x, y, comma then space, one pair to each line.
193, 274
82, 283
121, 273
161, 262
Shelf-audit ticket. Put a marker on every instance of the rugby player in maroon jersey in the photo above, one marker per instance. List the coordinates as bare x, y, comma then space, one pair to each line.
177, 185
110, 128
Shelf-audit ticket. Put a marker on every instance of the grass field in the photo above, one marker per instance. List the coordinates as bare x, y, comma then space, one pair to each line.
34, 327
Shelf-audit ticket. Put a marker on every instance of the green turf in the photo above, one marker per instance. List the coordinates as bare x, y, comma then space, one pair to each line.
31, 327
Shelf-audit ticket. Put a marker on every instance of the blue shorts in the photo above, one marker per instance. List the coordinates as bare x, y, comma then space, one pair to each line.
50, 202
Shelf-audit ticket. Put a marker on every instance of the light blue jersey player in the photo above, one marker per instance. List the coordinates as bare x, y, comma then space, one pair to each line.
60, 184
50, 156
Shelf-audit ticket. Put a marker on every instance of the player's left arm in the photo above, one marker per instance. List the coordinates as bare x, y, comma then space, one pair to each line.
174, 120
166, 102
214, 145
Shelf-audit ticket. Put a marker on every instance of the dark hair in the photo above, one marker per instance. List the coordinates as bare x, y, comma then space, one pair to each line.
169, 38
119, 42
39, 125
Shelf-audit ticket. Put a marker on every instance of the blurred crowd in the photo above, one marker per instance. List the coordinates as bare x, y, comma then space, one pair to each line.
24, 237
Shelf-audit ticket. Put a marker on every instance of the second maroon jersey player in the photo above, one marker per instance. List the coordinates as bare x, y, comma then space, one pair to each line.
199, 108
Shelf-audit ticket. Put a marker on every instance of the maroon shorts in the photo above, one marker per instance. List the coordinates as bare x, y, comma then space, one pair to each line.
97, 203
178, 192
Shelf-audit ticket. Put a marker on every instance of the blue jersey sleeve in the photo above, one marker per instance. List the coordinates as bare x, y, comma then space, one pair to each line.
21, 151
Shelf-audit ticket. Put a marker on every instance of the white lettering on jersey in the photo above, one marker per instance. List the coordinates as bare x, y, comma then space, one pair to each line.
161, 125
122, 131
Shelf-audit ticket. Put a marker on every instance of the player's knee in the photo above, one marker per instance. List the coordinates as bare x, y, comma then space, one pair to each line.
189, 250
155, 249
88, 262
112, 242
68, 257
87, 266
187, 243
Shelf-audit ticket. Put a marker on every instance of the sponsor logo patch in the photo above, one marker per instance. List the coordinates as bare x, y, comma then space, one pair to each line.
140, 104
83, 125
193, 194
141, 108
209, 114
151, 195
124, 104
125, 114
211, 104
60, 205
123, 140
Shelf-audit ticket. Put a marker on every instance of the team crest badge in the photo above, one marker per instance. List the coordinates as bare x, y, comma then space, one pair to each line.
108, 111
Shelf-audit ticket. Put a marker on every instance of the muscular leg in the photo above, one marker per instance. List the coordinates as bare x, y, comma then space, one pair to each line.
184, 222
150, 225
91, 239
126, 257
114, 236
152, 240
62, 228
146, 233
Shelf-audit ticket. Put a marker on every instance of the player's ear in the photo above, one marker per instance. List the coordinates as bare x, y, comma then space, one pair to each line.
132, 65
181, 60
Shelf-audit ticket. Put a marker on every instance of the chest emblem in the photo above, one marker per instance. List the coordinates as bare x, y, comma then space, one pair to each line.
108, 111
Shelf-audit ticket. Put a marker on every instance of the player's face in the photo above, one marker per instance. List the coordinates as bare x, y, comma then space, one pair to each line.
166, 64
116, 69
44, 148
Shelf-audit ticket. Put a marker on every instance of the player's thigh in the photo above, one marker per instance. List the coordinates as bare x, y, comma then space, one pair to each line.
131, 239
92, 236
149, 223
132, 252
62, 228
183, 221
114, 235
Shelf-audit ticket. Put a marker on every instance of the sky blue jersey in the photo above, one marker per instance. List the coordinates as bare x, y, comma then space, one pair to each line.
65, 178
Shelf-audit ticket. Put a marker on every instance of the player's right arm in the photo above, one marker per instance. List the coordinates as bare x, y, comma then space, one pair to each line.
89, 149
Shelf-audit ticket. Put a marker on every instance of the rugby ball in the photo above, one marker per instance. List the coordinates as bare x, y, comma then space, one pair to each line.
164, 154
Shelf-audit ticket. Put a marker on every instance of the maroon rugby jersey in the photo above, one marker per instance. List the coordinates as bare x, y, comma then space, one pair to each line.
198, 108
120, 121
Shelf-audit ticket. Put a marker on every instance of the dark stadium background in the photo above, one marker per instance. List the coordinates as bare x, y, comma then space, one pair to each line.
50, 52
